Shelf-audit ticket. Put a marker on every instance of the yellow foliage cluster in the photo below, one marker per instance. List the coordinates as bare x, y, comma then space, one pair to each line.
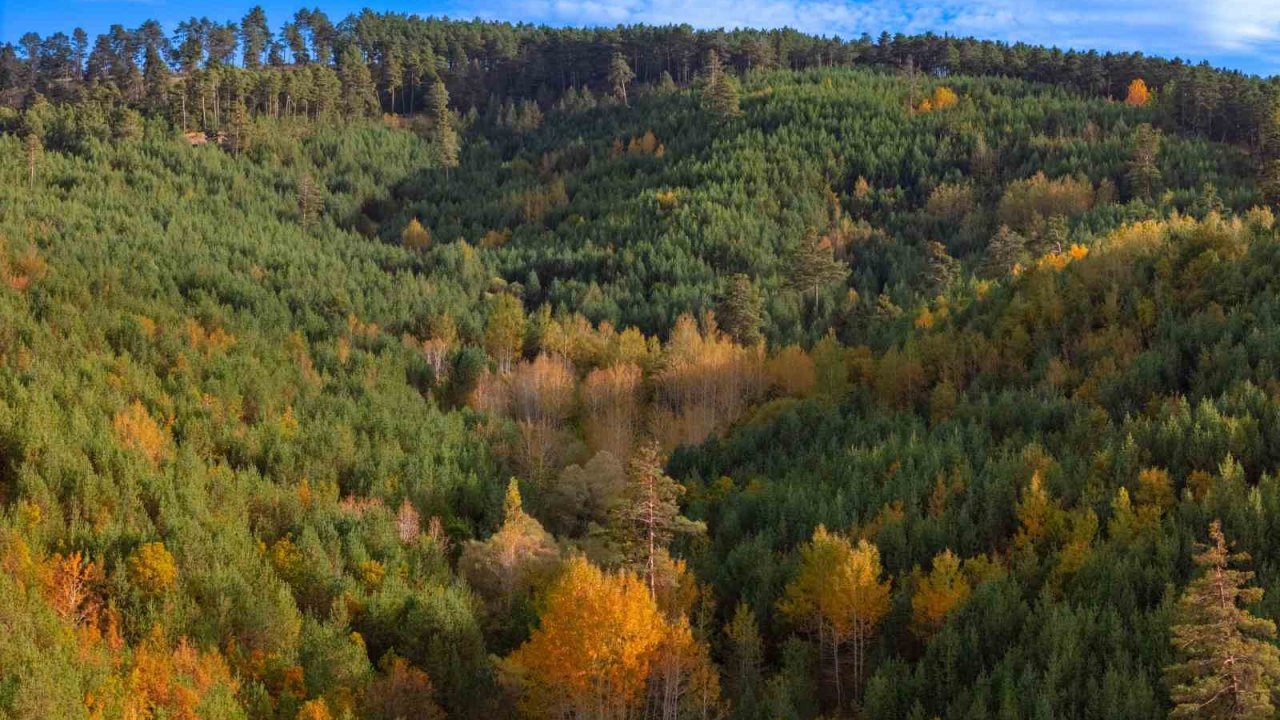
415, 237
667, 199
1057, 261
924, 320
938, 594
152, 569
646, 144
942, 98
137, 430
791, 370
838, 594
708, 382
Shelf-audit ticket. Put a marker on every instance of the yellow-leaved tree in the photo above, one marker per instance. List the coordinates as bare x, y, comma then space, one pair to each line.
938, 594
592, 654
839, 596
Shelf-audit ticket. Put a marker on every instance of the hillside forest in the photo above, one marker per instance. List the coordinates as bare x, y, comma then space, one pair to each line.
394, 367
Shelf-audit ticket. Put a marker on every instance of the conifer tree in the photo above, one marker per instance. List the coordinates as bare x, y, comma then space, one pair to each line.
1229, 665
358, 97
620, 75
1144, 173
719, 92
310, 202
742, 311
942, 267
1006, 251
648, 514
446, 138
745, 661
813, 265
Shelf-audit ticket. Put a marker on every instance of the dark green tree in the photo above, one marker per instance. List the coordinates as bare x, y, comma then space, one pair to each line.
741, 311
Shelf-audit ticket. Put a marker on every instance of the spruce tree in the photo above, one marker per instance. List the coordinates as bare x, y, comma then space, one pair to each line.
1229, 664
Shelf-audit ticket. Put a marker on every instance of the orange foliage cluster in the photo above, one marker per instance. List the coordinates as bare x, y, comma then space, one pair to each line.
21, 270
601, 643
942, 98
646, 144
667, 199
206, 341
137, 430
154, 678
1138, 95
1056, 261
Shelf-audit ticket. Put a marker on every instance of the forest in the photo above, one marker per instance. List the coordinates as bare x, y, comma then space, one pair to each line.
395, 367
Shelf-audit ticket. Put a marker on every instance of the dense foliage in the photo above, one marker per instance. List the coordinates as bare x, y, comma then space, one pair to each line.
416, 368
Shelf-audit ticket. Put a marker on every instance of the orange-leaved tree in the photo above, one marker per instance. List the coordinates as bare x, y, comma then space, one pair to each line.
1138, 95
593, 652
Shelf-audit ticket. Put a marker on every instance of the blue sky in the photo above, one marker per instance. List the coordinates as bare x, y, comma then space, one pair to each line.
1242, 34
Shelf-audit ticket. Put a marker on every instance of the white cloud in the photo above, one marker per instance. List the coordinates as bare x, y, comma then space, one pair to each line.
1227, 29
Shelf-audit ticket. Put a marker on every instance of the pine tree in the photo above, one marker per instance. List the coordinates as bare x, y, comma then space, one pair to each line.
1229, 665
719, 91
648, 514
392, 73
1144, 173
620, 75
1005, 252
446, 138
813, 265
745, 661
310, 201
358, 98
942, 267
742, 311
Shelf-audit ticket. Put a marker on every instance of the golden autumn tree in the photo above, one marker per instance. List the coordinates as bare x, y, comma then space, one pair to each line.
137, 430
415, 237
1138, 95
838, 595
592, 654
938, 594
152, 569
